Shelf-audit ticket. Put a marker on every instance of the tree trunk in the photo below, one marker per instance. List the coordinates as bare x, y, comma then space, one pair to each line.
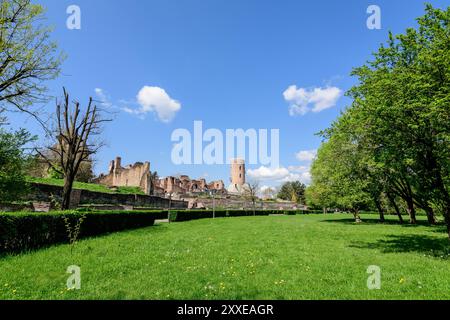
435, 168
447, 219
380, 210
411, 211
397, 210
170, 207
67, 191
446, 200
356, 216
430, 215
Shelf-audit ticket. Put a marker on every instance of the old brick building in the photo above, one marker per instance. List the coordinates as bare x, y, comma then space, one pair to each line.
136, 175
139, 175
184, 185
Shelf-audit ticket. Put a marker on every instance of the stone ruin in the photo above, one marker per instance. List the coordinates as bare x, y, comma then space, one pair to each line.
136, 175
184, 185
139, 175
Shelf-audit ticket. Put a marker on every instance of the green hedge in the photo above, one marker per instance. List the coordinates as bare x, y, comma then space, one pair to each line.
157, 214
27, 231
187, 215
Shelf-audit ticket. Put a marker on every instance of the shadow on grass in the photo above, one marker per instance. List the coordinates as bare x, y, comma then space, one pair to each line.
440, 227
427, 245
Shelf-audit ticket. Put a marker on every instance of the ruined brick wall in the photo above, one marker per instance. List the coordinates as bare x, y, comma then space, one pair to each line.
185, 185
237, 203
216, 185
136, 175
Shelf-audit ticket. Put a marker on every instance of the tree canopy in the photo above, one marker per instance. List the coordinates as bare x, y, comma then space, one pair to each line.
27, 56
14, 159
293, 191
394, 140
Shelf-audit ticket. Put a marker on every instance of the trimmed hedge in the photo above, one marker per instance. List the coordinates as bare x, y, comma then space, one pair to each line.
157, 214
187, 215
28, 231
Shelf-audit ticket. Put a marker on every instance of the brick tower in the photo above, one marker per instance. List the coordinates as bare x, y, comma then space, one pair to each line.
237, 176
238, 172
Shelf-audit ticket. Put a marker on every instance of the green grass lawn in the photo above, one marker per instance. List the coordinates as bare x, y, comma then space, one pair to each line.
275, 257
87, 186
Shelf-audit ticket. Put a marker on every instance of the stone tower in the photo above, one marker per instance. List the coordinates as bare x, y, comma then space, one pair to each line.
238, 172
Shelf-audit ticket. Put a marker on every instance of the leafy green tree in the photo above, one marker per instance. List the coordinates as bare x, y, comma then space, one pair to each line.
14, 159
402, 108
396, 133
337, 180
293, 191
27, 57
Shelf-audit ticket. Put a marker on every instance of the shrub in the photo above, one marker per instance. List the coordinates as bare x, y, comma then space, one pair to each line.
27, 231
13, 161
187, 215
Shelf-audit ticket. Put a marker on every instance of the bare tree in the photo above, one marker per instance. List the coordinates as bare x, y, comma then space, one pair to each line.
40, 167
251, 190
269, 193
153, 182
75, 132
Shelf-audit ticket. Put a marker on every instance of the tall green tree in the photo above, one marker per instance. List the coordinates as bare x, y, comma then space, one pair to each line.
293, 191
398, 123
14, 159
337, 179
27, 56
402, 105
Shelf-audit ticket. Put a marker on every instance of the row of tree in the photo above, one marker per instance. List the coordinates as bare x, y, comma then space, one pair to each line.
391, 147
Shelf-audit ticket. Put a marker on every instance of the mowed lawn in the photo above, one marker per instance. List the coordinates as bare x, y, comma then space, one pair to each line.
275, 257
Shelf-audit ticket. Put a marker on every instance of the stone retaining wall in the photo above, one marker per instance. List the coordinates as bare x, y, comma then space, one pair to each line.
45, 193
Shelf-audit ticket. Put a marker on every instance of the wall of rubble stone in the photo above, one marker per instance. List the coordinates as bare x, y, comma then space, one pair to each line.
46, 193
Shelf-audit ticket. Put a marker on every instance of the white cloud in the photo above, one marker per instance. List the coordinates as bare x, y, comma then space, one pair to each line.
148, 99
304, 100
306, 155
281, 174
266, 173
304, 177
155, 99
265, 188
299, 169
103, 98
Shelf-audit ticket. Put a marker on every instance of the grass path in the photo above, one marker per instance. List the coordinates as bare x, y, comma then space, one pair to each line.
287, 257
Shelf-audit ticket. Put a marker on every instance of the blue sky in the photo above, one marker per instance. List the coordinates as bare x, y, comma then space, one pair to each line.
226, 63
